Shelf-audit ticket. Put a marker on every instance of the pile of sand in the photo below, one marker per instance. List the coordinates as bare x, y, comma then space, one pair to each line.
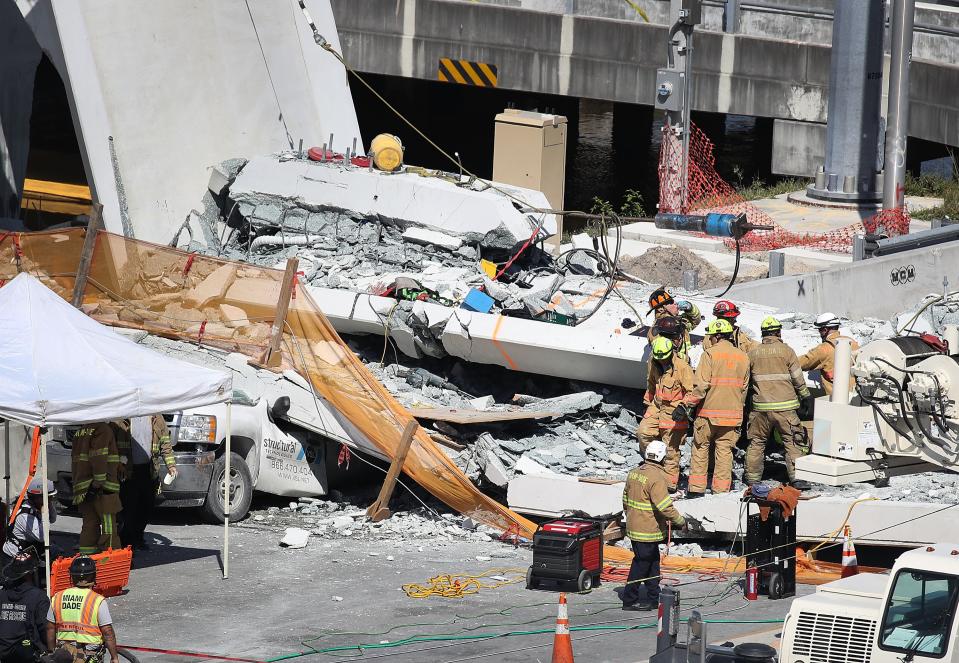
664, 265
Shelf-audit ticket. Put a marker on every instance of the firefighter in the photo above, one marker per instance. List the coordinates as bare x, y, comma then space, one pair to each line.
726, 310
143, 441
79, 621
661, 304
822, 357
672, 328
23, 612
669, 380
648, 507
722, 379
96, 486
778, 389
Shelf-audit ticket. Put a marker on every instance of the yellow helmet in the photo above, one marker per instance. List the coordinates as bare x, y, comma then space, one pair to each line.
662, 348
771, 324
719, 326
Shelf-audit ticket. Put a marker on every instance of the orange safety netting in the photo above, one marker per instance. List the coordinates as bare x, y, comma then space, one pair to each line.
231, 305
708, 192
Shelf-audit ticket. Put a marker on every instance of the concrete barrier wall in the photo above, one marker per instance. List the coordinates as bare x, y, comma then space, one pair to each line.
616, 59
181, 85
877, 287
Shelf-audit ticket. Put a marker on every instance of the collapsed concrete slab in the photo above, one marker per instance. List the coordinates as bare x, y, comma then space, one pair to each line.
552, 495
271, 188
526, 345
878, 522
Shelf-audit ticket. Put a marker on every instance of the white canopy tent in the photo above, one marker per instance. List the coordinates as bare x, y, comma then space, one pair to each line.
61, 367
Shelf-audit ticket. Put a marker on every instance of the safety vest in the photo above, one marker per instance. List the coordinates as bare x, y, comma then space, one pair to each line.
77, 611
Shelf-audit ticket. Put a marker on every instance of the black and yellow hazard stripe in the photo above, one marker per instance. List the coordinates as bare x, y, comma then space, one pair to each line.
467, 72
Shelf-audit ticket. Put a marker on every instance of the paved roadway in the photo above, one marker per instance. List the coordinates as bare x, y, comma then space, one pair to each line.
278, 601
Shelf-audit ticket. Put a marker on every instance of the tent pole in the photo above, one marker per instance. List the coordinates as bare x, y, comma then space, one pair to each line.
46, 513
6, 462
226, 492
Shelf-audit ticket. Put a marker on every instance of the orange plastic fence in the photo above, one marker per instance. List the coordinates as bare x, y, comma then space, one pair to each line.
231, 305
707, 191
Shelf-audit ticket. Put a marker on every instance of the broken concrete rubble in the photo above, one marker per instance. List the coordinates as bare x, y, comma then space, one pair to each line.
287, 190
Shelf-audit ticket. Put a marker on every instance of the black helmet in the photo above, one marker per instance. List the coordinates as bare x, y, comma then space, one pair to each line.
668, 326
83, 569
19, 567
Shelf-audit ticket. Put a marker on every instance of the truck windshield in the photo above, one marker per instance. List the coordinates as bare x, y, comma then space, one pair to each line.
919, 612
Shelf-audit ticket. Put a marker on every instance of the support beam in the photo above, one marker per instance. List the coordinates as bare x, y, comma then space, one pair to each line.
897, 117
94, 225
380, 510
273, 356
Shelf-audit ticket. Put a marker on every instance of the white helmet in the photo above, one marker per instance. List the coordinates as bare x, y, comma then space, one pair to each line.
827, 320
656, 451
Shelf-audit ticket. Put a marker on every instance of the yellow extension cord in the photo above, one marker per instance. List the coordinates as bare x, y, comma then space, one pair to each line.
836, 531
458, 585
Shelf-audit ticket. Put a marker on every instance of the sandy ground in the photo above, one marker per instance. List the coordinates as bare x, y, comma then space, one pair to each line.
279, 602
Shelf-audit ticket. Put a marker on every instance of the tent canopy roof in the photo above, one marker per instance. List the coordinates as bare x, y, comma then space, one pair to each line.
60, 367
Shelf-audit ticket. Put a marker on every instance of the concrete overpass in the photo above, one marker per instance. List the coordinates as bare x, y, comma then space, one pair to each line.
771, 61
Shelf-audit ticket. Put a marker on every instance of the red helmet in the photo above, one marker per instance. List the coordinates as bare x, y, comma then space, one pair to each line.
725, 309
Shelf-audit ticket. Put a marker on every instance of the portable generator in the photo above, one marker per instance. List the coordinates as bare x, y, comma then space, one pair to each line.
568, 550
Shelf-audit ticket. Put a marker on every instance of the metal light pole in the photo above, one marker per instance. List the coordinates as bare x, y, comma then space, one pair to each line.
897, 118
673, 84
849, 173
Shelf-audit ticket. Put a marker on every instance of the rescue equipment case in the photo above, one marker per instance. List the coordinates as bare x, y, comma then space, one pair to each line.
568, 550
770, 545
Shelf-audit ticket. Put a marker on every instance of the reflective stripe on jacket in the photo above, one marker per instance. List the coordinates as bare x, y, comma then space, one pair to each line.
648, 505
722, 378
77, 613
667, 389
95, 461
776, 380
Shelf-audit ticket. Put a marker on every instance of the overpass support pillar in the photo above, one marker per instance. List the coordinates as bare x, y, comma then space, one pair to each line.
855, 92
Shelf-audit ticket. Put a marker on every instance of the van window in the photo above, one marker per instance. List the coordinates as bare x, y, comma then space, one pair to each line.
919, 612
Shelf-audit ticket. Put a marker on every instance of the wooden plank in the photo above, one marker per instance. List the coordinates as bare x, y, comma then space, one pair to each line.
380, 510
57, 197
439, 438
86, 256
458, 416
273, 356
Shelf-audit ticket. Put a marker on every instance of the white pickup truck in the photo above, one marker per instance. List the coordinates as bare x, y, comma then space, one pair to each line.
907, 615
284, 442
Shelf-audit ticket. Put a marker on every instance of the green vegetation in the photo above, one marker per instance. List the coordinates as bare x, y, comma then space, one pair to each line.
935, 186
758, 189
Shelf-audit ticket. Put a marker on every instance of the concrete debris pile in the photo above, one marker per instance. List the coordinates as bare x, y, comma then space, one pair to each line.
337, 520
931, 487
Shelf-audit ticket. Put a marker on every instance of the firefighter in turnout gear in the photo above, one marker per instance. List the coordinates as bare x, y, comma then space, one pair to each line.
726, 310
778, 389
672, 328
669, 381
79, 621
648, 508
722, 379
141, 441
822, 357
96, 486
661, 305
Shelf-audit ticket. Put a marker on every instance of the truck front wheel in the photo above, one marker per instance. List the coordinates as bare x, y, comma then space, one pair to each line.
241, 490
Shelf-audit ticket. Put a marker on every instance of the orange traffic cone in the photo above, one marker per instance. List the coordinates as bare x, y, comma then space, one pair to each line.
562, 645
850, 565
